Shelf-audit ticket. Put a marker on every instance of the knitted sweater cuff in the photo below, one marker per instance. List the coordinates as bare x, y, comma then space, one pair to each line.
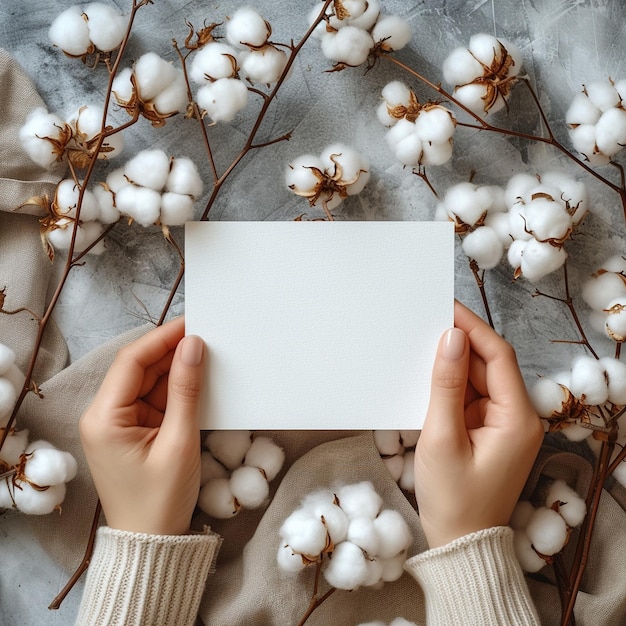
479, 572
137, 579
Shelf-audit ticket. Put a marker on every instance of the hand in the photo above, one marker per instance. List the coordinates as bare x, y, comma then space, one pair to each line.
141, 434
480, 437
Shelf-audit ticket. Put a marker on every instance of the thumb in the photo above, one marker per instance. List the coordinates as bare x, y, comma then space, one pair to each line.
446, 411
184, 389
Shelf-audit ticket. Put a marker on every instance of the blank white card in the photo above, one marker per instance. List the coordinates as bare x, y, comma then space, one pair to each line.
318, 325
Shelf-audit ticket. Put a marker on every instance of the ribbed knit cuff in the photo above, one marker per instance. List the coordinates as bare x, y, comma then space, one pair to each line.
136, 579
478, 572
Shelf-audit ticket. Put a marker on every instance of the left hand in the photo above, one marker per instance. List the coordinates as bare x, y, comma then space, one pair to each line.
141, 434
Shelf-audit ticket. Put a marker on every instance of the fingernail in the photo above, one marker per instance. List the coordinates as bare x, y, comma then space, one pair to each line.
192, 350
453, 345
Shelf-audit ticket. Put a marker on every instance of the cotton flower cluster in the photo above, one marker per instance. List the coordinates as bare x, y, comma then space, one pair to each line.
81, 31
153, 88
541, 532
397, 450
597, 120
605, 293
421, 134
47, 139
353, 29
483, 73
367, 544
152, 188
237, 468
38, 472
398, 621
340, 171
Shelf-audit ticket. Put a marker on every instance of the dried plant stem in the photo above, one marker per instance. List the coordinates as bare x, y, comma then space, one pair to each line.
315, 600
479, 277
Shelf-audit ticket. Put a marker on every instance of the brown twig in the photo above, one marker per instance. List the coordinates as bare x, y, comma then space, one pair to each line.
479, 277
315, 600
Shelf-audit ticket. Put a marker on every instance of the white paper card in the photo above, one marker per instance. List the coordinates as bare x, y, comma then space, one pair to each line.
318, 325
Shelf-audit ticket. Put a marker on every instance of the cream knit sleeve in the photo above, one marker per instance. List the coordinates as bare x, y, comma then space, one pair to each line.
475, 580
137, 579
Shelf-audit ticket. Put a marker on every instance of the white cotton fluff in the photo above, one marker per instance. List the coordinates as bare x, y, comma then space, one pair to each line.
148, 168
247, 28
409, 438
299, 175
288, 560
70, 32
140, 203
584, 141
396, 93
520, 188
8, 398
48, 466
521, 514
249, 487
435, 124
108, 212
321, 504
266, 455
355, 168
460, 67
359, 499
15, 376
576, 432
436, 153
582, 111
539, 259
223, 99
215, 60
400, 621
392, 568
616, 263
39, 131
362, 532
393, 533
174, 98
107, 26
347, 569
547, 531
66, 200
7, 358
615, 372
210, 468
388, 442
153, 75
407, 479
499, 223
619, 473
616, 319
122, 87
13, 447
547, 219
229, 447
548, 397
611, 131
216, 499
602, 94
92, 231
588, 382
464, 203
365, 19
350, 45
34, 502
409, 151
392, 31
572, 191
600, 290
176, 209
394, 465
264, 65
572, 507
484, 246
304, 533
374, 572
184, 178
474, 97
529, 560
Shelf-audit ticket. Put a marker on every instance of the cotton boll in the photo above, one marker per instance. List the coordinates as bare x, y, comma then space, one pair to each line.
602, 94
47, 466
107, 26
15, 376
473, 96
374, 572
576, 432
216, 499
210, 468
7, 358
66, 200
122, 87
91, 232
588, 382
108, 213
616, 263
140, 203
223, 99
484, 246
409, 150
153, 75
499, 223
13, 447
264, 65
392, 31
548, 397
70, 32
362, 533
359, 499
176, 209
288, 560
149, 168
599, 291
611, 131
392, 568
582, 111
572, 508
615, 324
60, 237
34, 502
530, 561
229, 447
249, 487
8, 398
461, 202
366, 19
394, 465
321, 504
547, 219
584, 141
436, 153
393, 532
402, 129
354, 166
435, 124
299, 175
409, 438
39, 131
547, 531
305, 533
519, 189
247, 28
350, 45
407, 479
388, 442
382, 114
215, 60
615, 372
396, 93
573, 192
348, 567
266, 455
174, 98
521, 514
485, 48
539, 259
460, 67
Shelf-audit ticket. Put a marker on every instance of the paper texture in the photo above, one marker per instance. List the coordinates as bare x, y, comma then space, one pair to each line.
318, 325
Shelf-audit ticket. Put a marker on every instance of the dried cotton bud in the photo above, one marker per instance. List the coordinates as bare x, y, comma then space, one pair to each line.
247, 29
44, 137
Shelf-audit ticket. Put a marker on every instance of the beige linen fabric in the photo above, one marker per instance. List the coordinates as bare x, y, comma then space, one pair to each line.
248, 588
